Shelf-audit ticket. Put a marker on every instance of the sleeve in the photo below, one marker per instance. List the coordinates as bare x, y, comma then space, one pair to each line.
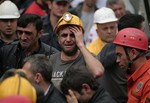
146, 93
108, 56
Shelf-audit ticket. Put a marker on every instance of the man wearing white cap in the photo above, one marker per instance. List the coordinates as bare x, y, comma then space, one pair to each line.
9, 14
106, 28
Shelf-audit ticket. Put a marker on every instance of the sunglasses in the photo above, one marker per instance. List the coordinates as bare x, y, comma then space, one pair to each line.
20, 32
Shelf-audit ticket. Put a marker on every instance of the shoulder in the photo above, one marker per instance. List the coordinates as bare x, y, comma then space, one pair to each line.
55, 96
110, 46
101, 96
12, 45
53, 57
51, 49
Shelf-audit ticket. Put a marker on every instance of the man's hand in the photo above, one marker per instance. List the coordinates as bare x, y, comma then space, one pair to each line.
78, 33
71, 98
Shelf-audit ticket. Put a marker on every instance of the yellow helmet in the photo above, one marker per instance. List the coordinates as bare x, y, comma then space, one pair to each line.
17, 85
68, 19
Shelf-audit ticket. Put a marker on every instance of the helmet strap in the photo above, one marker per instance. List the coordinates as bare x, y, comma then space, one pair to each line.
131, 61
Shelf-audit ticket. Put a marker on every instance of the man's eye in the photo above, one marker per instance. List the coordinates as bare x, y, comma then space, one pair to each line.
72, 35
64, 35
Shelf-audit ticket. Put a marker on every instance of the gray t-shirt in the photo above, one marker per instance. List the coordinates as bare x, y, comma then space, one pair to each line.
60, 67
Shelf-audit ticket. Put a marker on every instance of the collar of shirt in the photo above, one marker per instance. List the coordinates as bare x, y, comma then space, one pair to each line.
141, 70
47, 90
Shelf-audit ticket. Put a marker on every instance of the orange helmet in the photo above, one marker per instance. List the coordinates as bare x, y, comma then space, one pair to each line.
132, 37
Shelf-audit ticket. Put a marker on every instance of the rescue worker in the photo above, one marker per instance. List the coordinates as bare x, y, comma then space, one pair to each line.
74, 53
114, 79
9, 14
131, 49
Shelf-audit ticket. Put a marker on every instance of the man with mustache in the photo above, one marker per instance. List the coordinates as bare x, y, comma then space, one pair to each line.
74, 53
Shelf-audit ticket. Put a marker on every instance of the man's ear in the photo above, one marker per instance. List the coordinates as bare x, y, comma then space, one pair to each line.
134, 53
38, 78
58, 37
85, 87
40, 33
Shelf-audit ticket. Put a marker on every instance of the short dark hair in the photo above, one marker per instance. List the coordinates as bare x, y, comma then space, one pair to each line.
75, 77
112, 2
130, 20
40, 64
26, 19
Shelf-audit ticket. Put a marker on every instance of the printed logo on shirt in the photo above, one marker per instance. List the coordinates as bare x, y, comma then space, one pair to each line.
58, 74
135, 94
139, 86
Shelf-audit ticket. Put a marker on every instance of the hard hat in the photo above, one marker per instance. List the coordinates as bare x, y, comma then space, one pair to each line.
17, 85
132, 37
8, 10
69, 19
15, 99
104, 15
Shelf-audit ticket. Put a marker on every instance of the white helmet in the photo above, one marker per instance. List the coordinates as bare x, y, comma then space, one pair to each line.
8, 10
104, 15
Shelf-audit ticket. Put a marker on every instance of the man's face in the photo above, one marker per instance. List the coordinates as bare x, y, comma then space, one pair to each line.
59, 8
90, 3
107, 31
82, 97
67, 41
121, 57
28, 36
119, 9
27, 68
8, 27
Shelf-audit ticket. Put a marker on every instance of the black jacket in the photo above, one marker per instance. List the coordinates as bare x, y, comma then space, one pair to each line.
12, 55
114, 78
49, 37
101, 96
54, 96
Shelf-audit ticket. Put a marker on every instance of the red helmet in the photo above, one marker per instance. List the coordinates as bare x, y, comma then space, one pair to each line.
15, 99
132, 37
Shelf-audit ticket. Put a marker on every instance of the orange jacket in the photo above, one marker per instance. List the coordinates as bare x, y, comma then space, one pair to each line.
139, 85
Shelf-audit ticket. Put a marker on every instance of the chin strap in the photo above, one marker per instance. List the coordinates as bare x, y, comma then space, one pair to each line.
131, 61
